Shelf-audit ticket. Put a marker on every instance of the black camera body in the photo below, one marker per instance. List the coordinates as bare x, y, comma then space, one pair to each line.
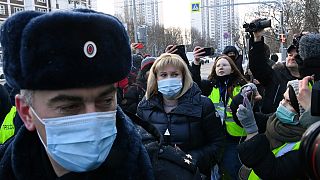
257, 25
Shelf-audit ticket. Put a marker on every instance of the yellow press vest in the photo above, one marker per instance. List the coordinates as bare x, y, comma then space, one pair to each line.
287, 147
7, 127
232, 127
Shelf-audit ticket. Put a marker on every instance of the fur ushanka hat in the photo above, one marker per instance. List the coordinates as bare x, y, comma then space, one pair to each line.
69, 49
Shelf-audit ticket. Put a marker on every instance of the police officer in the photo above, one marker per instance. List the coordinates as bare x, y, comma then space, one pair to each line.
68, 66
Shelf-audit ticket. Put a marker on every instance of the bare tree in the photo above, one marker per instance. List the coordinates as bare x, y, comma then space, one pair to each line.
155, 35
294, 17
196, 39
312, 15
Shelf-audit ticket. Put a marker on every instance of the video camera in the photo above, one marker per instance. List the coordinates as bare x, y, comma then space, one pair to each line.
257, 25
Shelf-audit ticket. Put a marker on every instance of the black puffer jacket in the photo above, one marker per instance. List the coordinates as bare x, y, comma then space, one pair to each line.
194, 126
274, 80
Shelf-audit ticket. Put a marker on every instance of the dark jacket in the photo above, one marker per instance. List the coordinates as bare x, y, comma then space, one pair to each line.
265, 164
26, 158
273, 80
134, 95
194, 126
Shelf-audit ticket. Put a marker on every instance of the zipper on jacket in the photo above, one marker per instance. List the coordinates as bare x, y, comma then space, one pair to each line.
275, 97
167, 134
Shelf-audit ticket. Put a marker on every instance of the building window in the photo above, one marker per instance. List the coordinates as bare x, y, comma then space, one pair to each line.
2, 9
42, 1
17, 9
42, 10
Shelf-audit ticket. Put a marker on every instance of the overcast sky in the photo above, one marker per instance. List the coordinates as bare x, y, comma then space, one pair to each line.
176, 12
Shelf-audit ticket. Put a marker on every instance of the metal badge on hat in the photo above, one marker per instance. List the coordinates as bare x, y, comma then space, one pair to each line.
90, 49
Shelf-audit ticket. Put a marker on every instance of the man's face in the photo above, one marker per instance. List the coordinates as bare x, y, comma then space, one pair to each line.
291, 61
59, 103
232, 55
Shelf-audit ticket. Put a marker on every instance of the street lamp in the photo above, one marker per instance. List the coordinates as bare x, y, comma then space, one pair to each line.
134, 21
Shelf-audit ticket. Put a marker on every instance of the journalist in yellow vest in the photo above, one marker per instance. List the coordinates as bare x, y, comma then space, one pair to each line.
223, 83
274, 154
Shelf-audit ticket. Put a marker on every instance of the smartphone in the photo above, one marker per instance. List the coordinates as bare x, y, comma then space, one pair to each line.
247, 95
209, 51
139, 46
181, 49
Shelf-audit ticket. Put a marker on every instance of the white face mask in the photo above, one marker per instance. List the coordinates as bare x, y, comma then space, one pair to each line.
80, 142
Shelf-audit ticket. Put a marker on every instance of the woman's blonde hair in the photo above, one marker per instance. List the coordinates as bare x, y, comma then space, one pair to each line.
161, 62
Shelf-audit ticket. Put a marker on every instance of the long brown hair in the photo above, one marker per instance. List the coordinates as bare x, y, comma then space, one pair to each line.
236, 74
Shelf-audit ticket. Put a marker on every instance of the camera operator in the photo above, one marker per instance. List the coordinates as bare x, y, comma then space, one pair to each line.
275, 79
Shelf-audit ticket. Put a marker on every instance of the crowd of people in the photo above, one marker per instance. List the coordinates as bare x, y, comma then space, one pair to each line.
73, 82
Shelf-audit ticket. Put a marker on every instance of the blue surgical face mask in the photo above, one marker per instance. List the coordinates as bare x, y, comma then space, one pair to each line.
170, 87
81, 142
286, 116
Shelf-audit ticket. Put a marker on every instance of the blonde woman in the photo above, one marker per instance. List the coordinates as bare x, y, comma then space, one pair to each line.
187, 120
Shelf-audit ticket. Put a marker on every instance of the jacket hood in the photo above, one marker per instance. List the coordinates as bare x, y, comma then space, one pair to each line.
228, 49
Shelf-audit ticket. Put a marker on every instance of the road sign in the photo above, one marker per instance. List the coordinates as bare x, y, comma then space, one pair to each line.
195, 7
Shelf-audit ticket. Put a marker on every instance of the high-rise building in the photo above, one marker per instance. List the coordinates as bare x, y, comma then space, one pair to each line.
9, 7
148, 12
218, 21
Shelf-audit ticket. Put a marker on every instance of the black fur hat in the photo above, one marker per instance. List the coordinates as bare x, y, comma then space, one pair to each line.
73, 49
10, 39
